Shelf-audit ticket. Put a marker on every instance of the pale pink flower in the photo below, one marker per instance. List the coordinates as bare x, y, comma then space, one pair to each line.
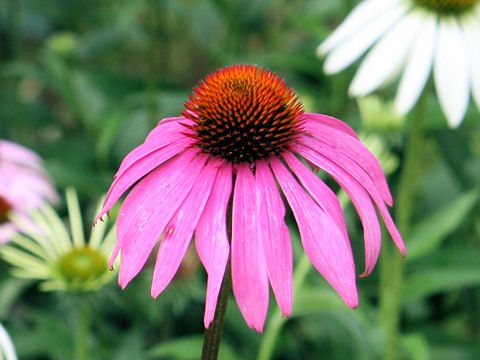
241, 140
24, 184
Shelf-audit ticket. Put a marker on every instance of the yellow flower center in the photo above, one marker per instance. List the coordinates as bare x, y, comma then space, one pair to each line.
83, 264
447, 6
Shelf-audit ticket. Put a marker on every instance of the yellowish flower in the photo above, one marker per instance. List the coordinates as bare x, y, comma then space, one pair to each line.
45, 250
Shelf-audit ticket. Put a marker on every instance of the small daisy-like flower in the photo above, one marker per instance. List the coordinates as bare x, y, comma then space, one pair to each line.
412, 37
7, 350
239, 142
44, 250
24, 184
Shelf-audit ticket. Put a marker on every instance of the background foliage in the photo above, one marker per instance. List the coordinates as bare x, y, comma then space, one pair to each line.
83, 82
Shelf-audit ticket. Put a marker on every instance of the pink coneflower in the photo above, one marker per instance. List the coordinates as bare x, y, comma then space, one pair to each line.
240, 140
24, 184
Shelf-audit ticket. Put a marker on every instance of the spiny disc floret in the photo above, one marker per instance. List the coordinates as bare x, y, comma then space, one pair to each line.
447, 6
243, 113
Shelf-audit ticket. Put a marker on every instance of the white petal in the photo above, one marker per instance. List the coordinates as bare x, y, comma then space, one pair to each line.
386, 58
419, 65
471, 28
354, 47
358, 17
451, 71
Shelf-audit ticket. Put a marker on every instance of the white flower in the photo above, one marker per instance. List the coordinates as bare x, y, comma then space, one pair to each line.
411, 37
7, 351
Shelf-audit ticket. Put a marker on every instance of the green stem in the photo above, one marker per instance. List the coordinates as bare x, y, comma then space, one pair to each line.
277, 321
82, 331
211, 339
392, 265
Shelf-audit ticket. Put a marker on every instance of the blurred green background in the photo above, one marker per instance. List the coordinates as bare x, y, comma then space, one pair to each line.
83, 82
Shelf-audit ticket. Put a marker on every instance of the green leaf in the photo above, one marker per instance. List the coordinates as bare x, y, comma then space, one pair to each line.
416, 346
437, 280
10, 290
427, 235
311, 301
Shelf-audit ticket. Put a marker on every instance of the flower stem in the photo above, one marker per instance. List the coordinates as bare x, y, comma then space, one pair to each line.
211, 339
82, 331
392, 265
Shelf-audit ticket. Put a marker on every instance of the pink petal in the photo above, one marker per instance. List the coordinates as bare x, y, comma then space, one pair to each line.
149, 207
344, 161
275, 236
180, 229
344, 177
332, 122
249, 276
320, 192
166, 132
321, 238
19, 155
362, 203
143, 166
355, 150
7, 230
211, 239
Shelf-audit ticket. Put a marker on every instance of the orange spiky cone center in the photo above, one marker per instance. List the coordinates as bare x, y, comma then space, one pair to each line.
243, 113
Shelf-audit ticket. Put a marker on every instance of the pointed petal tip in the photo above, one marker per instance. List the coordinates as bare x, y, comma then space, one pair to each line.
154, 293
320, 51
389, 200
454, 121
366, 272
351, 300
113, 257
207, 322
257, 327
100, 216
123, 284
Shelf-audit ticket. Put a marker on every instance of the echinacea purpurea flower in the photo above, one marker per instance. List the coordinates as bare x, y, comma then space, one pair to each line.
24, 184
242, 135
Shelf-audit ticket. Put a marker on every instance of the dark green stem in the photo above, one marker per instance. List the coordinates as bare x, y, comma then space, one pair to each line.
211, 339
392, 268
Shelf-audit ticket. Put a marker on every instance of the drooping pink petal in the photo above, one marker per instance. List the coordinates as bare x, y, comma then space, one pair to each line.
345, 162
332, 122
344, 177
249, 275
321, 238
320, 192
143, 166
361, 201
180, 228
355, 150
211, 238
275, 236
148, 208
